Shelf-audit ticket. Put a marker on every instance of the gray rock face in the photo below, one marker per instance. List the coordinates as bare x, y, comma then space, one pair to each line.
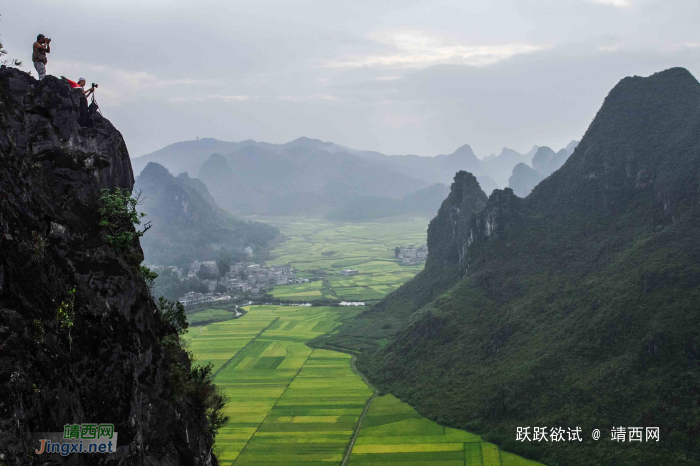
111, 367
43, 116
448, 231
501, 219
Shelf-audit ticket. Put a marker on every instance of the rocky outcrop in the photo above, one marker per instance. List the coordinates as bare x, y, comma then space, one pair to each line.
448, 231
109, 367
500, 219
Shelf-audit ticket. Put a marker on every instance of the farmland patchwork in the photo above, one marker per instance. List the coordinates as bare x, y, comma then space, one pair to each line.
330, 247
293, 405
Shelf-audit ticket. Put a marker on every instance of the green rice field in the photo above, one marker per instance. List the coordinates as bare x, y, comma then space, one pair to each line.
293, 405
393, 433
207, 316
321, 245
289, 404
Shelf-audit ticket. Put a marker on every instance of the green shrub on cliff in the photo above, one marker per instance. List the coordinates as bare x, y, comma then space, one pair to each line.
120, 217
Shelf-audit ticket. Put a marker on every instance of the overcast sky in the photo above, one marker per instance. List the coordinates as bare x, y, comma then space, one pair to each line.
397, 76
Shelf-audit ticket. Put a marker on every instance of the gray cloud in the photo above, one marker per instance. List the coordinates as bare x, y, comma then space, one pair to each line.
399, 76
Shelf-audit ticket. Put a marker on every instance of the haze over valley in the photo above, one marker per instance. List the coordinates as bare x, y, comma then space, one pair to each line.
312, 176
350, 233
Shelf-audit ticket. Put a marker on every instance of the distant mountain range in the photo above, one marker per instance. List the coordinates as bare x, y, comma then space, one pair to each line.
544, 162
187, 223
307, 175
297, 178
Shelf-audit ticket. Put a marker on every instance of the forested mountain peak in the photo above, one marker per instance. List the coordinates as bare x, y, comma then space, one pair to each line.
642, 143
587, 286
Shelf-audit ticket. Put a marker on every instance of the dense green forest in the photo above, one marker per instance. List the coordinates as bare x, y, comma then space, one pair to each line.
577, 306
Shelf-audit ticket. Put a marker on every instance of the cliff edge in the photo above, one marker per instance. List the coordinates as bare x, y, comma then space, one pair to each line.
110, 364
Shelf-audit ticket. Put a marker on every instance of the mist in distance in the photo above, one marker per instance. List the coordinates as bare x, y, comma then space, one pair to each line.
410, 77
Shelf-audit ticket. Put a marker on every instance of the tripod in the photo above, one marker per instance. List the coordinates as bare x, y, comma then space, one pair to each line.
94, 108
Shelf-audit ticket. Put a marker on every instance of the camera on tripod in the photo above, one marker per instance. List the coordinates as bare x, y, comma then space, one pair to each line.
94, 85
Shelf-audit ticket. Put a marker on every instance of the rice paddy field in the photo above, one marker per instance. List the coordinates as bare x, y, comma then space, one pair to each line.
394, 434
294, 405
212, 315
313, 244
289, 404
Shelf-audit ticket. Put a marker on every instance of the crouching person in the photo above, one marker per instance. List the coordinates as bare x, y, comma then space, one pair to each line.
84, 120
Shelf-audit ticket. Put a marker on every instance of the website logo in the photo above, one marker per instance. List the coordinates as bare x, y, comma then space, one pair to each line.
77, 438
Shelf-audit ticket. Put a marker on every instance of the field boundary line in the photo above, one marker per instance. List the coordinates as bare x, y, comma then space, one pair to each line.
244, 347
273, 406
358, 426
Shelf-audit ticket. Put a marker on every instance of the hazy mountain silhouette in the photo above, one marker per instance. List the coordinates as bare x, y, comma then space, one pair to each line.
544, 162
186, 222
300, 176
523, 180
499, 167
312, 175
487, 184
186, 156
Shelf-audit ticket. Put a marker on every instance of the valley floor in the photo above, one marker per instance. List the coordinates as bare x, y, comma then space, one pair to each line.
294, 405
317, 246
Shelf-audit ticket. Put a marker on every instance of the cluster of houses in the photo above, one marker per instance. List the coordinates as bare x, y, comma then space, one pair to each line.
208, 267
412, 255
242, 280
349, 272
256, 279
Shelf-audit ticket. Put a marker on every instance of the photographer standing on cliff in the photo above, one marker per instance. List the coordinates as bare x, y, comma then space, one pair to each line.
86, 93
42, 46
84, 119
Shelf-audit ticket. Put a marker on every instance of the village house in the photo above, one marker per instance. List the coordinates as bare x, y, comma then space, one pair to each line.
258, 279
210, 267
412, 255
349, 272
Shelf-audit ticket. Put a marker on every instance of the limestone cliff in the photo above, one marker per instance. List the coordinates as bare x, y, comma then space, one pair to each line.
111, 367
